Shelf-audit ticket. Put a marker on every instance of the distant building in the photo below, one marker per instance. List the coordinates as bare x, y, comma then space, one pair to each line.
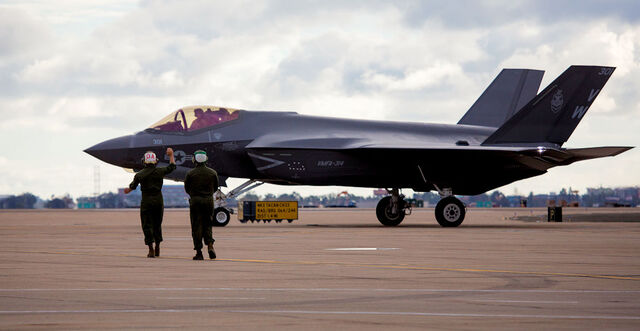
174, 196
86, 203
380, 192
131, 200
612, 197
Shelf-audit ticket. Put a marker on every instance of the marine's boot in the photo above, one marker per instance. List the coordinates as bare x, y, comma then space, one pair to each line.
198, 255
157, 249
212, 253
151, 252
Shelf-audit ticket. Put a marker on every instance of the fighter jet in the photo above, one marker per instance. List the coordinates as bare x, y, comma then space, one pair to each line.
510, 133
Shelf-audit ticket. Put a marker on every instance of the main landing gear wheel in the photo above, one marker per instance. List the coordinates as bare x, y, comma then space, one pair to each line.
221, 217
385, 213
450, 212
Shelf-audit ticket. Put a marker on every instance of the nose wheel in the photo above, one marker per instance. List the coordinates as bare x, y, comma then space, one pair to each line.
221, 216
450, 212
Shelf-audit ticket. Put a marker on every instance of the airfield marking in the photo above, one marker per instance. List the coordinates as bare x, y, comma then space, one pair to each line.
314, 289
361, 249
316, 312
362, 265
522, 301
208, 298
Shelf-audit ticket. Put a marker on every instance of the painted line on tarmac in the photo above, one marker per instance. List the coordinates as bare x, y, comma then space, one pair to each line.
316, 312
361, 249
208, 298
522, 301
361, 265
316, 289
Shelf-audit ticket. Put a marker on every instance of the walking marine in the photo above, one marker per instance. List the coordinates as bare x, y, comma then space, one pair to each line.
200, 183
152, 205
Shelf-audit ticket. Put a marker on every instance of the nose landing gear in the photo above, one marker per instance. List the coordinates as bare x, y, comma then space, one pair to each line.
221, 214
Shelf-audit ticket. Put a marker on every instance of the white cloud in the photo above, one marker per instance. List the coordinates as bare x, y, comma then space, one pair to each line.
414, 80
78, 73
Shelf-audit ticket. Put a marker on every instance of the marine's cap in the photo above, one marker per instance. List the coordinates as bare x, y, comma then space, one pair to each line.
150, 157
200, 156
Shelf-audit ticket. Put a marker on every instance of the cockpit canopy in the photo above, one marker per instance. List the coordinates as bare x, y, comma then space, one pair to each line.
195, 117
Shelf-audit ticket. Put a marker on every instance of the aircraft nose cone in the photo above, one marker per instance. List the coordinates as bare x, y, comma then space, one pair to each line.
110, 151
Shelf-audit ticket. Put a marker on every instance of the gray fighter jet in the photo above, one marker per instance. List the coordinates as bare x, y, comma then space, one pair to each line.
510, 133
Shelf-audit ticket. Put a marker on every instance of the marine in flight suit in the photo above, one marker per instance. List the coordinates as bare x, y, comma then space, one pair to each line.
200, 183
152, 205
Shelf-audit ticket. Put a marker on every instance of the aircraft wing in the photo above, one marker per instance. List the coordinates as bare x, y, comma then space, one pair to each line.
376, 140
347, 144
309, 142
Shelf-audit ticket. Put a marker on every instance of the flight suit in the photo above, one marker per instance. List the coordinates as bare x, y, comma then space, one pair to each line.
152, 205
200, 183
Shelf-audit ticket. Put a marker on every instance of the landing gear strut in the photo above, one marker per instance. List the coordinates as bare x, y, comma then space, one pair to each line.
391, 210
449, 211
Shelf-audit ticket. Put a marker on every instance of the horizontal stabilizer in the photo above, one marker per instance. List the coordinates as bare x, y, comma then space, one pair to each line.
568, 156
509, 91
579, 154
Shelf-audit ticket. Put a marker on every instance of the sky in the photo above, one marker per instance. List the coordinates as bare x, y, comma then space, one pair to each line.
75, 73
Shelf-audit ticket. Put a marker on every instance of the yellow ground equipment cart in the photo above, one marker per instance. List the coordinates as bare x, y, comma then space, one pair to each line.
267, 211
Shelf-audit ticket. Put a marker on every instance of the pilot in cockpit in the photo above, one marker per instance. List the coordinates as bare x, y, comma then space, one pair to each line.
201, 120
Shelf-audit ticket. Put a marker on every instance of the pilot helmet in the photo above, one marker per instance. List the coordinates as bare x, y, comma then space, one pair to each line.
150, 158
200, 156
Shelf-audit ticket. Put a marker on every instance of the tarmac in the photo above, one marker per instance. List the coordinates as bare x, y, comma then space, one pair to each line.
331, 269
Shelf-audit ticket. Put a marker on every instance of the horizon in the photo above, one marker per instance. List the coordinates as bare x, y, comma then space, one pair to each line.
371, 196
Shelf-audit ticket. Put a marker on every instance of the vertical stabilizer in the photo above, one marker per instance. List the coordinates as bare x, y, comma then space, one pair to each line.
508, 92
553, 115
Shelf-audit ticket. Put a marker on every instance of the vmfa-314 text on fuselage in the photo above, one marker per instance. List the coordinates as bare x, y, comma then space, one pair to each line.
511, 132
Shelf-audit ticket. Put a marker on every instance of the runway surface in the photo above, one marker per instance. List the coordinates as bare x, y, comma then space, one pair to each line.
330, 269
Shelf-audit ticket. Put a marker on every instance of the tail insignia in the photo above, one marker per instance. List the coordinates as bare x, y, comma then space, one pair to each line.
557, 101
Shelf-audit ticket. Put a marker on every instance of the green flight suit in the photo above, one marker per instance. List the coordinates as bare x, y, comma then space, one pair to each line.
200, 183
152, 205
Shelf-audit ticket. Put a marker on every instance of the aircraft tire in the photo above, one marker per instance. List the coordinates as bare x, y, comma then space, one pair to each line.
383, 212
450, 212
221, 216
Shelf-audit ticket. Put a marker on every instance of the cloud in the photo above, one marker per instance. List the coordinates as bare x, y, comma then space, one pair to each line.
468, 14
19, 34
78, 73
416, 79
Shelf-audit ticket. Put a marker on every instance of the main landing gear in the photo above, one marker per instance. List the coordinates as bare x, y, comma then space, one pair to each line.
449, 211
391, 210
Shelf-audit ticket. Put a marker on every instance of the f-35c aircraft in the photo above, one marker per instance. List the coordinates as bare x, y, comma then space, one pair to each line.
509, 133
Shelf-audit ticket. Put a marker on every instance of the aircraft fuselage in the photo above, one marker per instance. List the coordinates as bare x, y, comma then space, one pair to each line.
292, 149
